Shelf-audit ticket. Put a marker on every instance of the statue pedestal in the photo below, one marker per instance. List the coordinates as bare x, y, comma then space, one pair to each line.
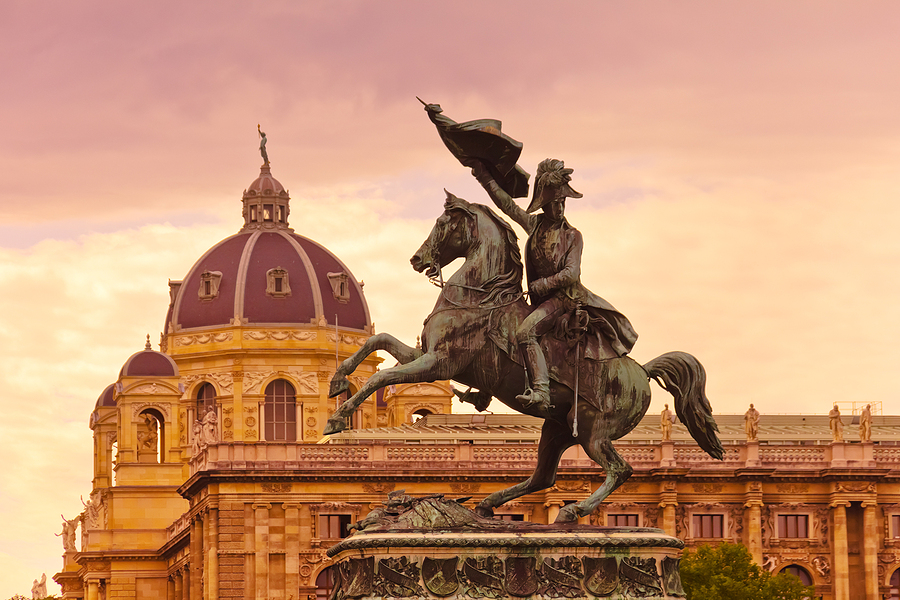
752, 454
838, 460
667, 454
500, 559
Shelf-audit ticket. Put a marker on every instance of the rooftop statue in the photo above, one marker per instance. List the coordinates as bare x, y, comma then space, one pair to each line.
562, 357
262, 145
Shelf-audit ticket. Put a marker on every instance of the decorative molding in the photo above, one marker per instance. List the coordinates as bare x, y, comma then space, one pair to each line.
225, 382
792, 488
276, 487
308, 382
381, 487
855, 486
708, 488
571, 486
203, 338
465, 488
137, 407
252, 379
346, 339
281, 335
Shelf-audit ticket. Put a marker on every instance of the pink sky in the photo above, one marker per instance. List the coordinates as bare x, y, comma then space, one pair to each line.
740, 165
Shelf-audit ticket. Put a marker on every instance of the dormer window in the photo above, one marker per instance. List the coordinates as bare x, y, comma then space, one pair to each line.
340, 286
209, 284
277, 284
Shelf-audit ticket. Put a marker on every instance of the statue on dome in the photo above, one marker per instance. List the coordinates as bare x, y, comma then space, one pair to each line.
562, 357
262, 145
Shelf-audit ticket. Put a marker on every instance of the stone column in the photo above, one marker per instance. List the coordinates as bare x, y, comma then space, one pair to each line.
186, 581
668, 501
841, 563
170, 588
179, 585
553, 511
212, 554
870, 545
261, 544
196, 570
292, 547
93, 590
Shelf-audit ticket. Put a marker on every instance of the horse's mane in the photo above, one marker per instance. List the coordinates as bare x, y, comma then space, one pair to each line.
512, 240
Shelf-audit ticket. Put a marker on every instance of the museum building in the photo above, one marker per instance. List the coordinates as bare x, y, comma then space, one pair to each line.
211, 478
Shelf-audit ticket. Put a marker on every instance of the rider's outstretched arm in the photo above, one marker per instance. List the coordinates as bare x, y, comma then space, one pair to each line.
503, 200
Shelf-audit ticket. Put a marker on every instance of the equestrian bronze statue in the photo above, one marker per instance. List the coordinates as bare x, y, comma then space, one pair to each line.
562, 357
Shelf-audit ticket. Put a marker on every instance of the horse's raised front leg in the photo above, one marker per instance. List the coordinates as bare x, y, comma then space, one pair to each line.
555, 439
427, 367
617, 472
381, 341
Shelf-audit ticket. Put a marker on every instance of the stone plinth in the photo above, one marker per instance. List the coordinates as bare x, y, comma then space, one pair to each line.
489, 558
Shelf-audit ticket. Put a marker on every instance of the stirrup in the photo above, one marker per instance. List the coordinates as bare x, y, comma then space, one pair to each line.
531, 397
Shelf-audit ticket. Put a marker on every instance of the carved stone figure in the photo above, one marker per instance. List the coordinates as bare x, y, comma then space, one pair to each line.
149, 437
262, 145
197, 445
210, 427
666, 419
751, 424
837, 427
473, 336
865, 424
822, 567
93, 515
69, 527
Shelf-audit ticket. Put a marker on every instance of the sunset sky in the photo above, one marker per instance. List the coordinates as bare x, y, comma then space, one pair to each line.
740, 165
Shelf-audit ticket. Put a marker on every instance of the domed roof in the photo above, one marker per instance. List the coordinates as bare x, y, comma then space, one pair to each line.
149, 363
107, 397
267, 274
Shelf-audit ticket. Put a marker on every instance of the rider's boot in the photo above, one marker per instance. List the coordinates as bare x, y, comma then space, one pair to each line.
539, 392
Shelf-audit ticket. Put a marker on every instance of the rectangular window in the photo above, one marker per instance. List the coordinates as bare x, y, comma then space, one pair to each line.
793, 526
622, 520
709, 526
333, 527
512, 517
278, 285
267, 212
895, 526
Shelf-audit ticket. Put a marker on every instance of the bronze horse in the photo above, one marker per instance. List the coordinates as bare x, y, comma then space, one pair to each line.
459, 342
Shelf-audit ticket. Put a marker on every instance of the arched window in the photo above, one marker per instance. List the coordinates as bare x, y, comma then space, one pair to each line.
281, 412
206, 399
799, 572
420, 414
324, 583
895, 585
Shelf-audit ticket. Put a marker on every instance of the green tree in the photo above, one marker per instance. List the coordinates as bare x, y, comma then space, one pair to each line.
728, 571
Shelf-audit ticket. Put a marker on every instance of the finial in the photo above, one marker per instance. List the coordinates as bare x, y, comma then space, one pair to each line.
147, 346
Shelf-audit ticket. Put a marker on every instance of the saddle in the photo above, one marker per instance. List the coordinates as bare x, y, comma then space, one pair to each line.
580, 343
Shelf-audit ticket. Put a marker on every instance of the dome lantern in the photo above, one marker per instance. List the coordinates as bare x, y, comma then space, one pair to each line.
266, 203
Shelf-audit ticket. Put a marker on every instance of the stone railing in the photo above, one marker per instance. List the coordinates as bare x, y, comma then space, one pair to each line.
793, 455
179, 525
284, 455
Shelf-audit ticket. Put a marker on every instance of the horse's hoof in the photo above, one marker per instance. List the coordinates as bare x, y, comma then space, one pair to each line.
567, 514
335, 425
338, 386
485, 512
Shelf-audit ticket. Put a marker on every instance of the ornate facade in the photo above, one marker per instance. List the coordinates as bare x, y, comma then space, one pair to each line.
211, 479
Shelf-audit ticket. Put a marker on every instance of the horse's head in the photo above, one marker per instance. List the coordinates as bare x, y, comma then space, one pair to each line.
449, 239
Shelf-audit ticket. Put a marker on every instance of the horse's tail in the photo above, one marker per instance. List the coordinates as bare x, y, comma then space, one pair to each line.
684, 377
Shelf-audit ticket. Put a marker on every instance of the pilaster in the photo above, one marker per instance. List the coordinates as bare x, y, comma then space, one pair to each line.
753, 504
292, 545
261, 543
870, 548
841, 562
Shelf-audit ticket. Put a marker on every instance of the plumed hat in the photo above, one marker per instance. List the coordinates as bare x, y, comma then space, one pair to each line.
552, 172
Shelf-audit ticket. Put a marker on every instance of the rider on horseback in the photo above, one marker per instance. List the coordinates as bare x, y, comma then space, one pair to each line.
553, 265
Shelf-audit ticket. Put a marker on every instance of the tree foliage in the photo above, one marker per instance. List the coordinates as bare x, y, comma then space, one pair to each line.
728, 571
